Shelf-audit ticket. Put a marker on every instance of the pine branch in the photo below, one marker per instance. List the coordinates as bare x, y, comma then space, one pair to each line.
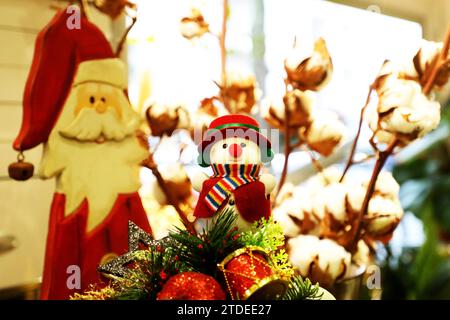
184, 251
300, 289
204, 251
150, 270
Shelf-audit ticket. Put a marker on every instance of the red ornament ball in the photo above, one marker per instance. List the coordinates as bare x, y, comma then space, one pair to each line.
191, 286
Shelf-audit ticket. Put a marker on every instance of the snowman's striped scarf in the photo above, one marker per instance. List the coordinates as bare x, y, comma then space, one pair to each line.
233, 176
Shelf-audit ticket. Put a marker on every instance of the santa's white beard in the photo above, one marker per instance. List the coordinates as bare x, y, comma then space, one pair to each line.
97, 172
89, 125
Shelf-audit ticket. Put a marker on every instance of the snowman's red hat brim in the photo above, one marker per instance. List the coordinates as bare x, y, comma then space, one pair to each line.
233, 126
215, 135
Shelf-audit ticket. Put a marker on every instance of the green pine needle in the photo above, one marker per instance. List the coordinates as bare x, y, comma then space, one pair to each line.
203, 252
300, 289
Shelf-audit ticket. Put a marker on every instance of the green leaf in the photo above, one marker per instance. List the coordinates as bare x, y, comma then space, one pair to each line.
428, 258
439, 286
414, 193
264, 233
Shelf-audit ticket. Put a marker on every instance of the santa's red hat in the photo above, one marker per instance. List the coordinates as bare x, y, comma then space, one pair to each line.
64, 56
233, 125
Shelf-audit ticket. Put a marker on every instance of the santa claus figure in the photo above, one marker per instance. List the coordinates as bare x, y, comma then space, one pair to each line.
75, 104
236, 151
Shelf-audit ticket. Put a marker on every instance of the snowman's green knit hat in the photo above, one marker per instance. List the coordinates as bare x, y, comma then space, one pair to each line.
233, 125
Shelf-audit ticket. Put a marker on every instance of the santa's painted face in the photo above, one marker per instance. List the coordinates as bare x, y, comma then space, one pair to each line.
235, 150
98, 97
99, 115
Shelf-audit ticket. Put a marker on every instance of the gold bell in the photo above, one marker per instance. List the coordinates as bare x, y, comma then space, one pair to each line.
20, 170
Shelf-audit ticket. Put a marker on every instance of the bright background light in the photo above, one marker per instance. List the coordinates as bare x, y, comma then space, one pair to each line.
358, 41
168, 68
173, 69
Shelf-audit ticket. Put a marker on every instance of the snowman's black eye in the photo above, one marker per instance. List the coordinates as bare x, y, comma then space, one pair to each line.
91, 99
243, 145
224, 146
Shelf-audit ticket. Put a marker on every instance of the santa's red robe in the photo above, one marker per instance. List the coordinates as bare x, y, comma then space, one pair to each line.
69, 244
250, 200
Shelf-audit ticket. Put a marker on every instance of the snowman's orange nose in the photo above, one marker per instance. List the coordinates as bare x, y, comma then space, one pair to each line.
235, 150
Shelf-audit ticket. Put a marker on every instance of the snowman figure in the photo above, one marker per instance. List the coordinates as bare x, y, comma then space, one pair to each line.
236, 151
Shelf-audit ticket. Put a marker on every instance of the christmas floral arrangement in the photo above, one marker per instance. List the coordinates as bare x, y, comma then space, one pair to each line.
217, 264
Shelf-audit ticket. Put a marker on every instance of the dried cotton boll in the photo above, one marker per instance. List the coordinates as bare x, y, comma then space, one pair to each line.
414, 119
325, 133
272, 111
387, 75
286, 192
403, 111
294, 211
383, 216
210, 109
164, 220
428, 52
382, 136
355, 196
305, 218
299, 104
304, 195
194, 25
184, 120
295, 217
165, 119
386, 186
178, 183
281, 216
338, 205
322, 261
309, 68
397, 93
317, 205
329, 175
362, 256
338, 199
332, 200
423, 61
200, 122
240, 91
